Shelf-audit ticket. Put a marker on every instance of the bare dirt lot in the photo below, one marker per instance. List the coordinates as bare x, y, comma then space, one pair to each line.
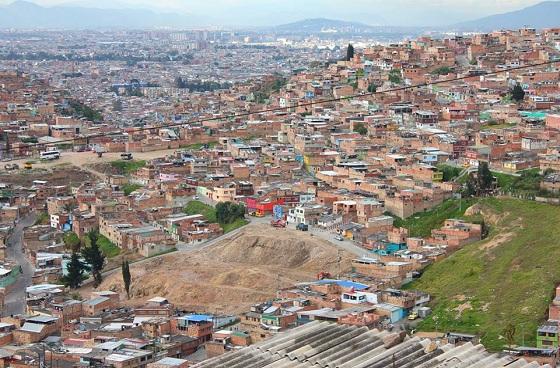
64, 174
231, 275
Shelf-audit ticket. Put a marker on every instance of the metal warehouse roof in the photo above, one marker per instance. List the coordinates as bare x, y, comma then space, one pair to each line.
324, 344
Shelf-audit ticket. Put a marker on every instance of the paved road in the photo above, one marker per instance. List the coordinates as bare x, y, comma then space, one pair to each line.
346, 245
14, 301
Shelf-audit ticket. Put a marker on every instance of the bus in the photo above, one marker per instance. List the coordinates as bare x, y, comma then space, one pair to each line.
50, 155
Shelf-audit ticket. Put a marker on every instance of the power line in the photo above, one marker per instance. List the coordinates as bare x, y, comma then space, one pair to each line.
279, 109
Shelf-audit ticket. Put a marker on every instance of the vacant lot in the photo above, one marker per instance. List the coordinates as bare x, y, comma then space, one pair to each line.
64, 174
233, 274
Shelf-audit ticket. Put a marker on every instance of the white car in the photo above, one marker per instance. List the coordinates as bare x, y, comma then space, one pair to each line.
339, 237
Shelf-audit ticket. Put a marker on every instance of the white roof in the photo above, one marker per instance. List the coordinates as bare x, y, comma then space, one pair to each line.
32, 327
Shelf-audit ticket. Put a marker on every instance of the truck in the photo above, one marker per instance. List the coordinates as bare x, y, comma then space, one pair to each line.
302, 227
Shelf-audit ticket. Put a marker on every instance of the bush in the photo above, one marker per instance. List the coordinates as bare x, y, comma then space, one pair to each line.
228, 212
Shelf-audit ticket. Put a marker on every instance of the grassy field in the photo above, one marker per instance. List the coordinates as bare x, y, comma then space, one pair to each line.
109, 249
423, 223
128, 167
496, 126
234, 225
508, 277
198, 146
199, 208
209, 213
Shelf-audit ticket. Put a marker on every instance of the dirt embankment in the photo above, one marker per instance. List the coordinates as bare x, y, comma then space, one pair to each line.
233, 274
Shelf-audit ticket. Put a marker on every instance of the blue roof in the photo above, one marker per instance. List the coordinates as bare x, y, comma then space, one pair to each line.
197, 317
344, 283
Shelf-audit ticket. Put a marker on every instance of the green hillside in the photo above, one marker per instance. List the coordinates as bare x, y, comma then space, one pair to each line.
509, 277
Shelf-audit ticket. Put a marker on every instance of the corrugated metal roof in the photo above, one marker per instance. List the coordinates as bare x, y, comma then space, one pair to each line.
32, 327
329, 345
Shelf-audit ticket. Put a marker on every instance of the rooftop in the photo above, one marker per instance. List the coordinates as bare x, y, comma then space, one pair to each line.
324, 344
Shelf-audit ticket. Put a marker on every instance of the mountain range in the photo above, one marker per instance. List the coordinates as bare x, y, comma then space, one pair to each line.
542, 15
25, 15
317, 25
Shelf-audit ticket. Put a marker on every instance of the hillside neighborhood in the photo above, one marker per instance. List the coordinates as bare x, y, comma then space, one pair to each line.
282, 219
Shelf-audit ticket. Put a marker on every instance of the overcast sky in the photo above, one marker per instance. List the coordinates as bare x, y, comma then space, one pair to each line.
266, 12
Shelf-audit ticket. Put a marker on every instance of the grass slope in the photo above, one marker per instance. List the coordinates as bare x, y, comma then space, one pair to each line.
423, 223
509, 277
209, 213
109, 249
199, 208
128, 167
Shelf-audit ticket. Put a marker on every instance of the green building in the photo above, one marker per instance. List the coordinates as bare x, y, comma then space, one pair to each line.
547, 336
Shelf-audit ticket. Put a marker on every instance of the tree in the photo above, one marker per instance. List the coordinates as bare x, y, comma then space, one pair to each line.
395, 76
75, 272
484, 177
360, 128
125, 267
372, 88
470, 188
228, 212
94, 257
517, 93
509, 334
442, 70
350, 52
71, 241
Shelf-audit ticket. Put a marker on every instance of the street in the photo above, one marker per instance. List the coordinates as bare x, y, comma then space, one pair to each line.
14, 300
346, 245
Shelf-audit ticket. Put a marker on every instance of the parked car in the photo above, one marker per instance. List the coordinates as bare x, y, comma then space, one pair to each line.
339, 238
11, 166
302, 227
412, 316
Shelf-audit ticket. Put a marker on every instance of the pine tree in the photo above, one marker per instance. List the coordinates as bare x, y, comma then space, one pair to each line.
94, 257
517, 93
350, 52
126, 277
75, 272
470, 189
484, 177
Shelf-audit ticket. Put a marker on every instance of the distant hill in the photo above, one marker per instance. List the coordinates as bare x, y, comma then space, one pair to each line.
542, 15
24, 14
323, 25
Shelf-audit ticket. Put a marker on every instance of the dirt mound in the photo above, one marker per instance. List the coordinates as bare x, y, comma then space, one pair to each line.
233, 274
261, 245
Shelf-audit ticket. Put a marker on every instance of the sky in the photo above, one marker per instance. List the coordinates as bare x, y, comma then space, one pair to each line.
272, 12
